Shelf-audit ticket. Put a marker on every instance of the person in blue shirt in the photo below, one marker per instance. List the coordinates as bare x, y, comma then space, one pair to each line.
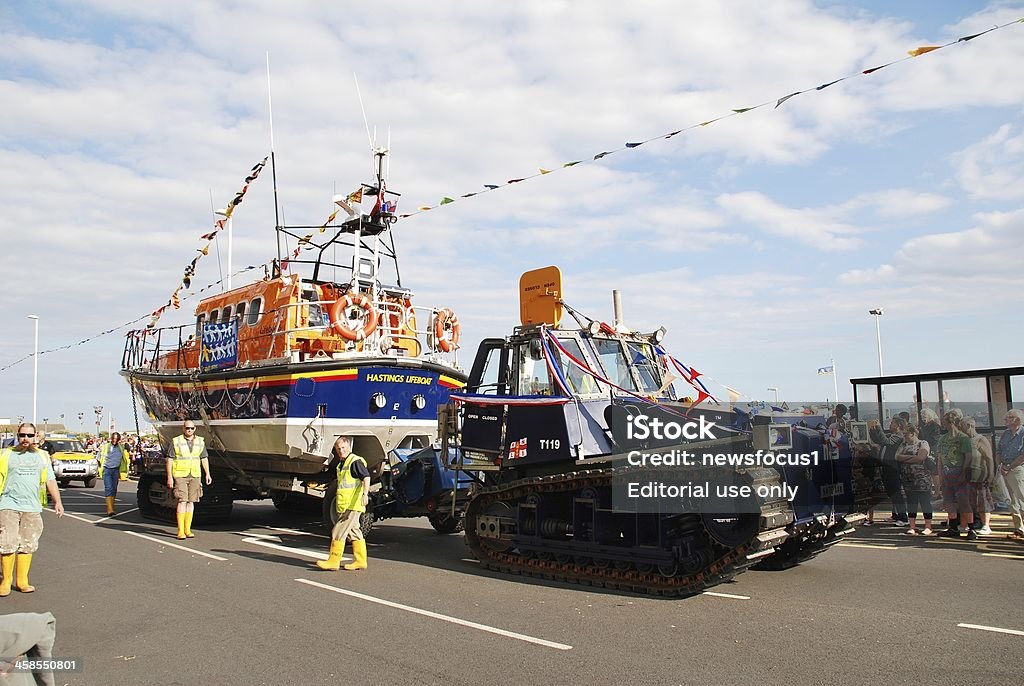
25, 478
114, 461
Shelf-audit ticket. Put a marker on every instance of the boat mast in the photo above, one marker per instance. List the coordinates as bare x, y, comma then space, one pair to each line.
273, 165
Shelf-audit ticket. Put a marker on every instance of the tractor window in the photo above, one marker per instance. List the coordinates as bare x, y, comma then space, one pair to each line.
641, 358
532, 371
616, 367
579, 380
489, 378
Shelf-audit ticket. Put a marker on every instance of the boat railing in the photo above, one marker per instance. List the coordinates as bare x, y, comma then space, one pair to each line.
294, 332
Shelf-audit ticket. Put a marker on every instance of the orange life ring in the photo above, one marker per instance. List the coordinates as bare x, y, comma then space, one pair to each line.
336, 312
446, 330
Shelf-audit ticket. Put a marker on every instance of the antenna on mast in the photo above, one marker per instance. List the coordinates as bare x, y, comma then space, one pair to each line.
366, 122
273, 164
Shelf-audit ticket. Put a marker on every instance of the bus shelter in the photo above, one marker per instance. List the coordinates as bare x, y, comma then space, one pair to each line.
985, 394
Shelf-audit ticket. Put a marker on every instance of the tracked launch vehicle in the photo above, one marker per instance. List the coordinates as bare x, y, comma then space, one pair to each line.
542, 425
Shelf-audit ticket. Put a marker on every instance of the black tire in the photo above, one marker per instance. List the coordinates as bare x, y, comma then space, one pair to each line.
217, 502
283, 501
90, 482
147, 508
63, 483
445, 523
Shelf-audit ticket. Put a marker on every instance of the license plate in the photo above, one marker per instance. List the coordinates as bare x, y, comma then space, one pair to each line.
832, 490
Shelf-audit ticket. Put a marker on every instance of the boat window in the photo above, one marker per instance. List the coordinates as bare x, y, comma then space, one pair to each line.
213, 317
616, 368
255, 311
199, 324
240, 313
225, 316
580, 381
641, 358
316, 315
532, 373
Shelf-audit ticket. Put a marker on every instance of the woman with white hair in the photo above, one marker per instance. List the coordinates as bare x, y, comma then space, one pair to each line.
955, 449
982, 473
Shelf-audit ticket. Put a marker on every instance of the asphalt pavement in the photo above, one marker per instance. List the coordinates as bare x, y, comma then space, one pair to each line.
242, 603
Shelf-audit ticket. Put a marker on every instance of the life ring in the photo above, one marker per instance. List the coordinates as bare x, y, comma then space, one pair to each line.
339, 323
446, 330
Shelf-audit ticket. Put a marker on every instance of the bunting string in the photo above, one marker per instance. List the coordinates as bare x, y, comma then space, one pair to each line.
101, 334
186, 281
775, 102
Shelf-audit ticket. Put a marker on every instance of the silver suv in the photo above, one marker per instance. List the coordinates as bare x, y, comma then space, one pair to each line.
70, 461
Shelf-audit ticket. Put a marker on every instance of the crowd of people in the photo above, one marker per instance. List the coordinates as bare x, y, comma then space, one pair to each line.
948, 458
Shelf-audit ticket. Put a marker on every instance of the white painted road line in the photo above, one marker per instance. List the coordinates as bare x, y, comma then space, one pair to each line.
79, 518
726, 595
296, 532
100, 521
268, 542
179, 547
861, 545
443, 618
1006, 555
995, 629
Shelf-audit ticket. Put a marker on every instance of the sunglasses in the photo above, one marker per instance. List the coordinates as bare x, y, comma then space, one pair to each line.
26, 435
190, 428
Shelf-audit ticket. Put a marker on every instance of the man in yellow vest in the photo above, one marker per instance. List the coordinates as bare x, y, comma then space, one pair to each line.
114, 461
353, 496
26, 476
184, 458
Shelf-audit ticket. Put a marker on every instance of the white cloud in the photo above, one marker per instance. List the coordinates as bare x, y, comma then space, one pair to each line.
993, 168
815, 227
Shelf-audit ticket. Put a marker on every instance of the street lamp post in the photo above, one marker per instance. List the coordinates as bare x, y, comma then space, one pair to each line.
772, 388
81, 416
98, 409
877, 314
35, 367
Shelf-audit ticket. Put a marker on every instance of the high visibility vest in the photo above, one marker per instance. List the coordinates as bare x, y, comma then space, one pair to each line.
5, 457
350, 490
104, 449
187, 462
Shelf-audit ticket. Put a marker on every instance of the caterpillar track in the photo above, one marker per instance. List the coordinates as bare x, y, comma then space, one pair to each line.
562, 527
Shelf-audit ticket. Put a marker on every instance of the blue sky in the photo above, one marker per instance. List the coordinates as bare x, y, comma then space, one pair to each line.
760, 241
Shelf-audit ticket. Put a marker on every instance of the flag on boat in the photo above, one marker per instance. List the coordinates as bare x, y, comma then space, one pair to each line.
826, 370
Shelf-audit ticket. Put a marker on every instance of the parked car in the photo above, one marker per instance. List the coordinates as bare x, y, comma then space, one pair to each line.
70, 461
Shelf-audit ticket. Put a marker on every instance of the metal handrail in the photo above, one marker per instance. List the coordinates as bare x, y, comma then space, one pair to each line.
144, 348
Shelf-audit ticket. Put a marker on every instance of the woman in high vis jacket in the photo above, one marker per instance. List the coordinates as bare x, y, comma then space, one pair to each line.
353, 496
184, 459
114, 461
25, 478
